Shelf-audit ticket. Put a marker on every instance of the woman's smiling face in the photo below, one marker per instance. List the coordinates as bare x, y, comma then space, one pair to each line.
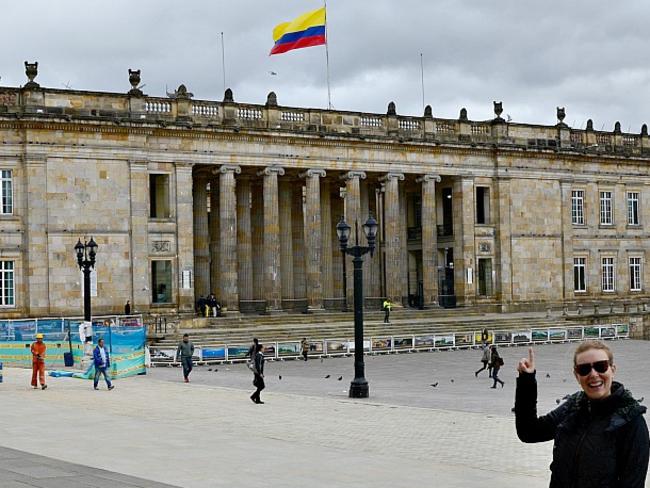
596, 386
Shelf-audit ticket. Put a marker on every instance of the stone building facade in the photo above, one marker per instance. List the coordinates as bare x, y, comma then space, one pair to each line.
185, 197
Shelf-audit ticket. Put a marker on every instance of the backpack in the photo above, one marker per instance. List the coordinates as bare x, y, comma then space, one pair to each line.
500, 361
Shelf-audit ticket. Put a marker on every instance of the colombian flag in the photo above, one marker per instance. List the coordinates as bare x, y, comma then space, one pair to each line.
304, 31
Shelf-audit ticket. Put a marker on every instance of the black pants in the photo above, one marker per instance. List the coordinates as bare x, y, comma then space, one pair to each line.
187, 366
258, 382
495, 377
485, 363
386, 314
304, 354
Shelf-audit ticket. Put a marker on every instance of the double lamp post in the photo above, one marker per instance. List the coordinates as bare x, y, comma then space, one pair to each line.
359, 386
86, 254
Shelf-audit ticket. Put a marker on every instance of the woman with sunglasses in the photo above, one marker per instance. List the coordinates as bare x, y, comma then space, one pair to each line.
600, 436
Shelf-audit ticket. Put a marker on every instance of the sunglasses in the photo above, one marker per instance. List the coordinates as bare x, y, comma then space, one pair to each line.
598, 366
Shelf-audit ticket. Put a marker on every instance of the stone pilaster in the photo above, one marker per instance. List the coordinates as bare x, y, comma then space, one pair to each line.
298, 232
213, 224
286, 237
139, 180
272, 270
404, 252
363, 216
567, 241
464, 251
185, 235
314, 238
337, 205
244, 243
327, 271
429, 239
352, 216
35, 238
374, 263
393, 243
201, 238
257, 239
229, 291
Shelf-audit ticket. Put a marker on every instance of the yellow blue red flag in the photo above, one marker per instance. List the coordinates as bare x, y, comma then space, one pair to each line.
304, 31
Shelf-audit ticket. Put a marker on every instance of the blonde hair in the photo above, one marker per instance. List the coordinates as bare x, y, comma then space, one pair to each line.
587, 345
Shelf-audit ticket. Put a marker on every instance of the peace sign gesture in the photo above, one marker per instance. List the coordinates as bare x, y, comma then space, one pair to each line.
527, 365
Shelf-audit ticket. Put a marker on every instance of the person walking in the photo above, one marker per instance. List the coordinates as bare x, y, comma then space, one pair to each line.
304, 346
186, 350
253, 349
485, 359
387, 305
102, 361
258, 372
127, 308
496, 361
600, 437
38, 350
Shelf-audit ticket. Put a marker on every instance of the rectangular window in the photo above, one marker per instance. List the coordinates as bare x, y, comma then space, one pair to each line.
635, 274
633, 208
608, 281
7, 291
485, 277
606, 208
579, 281
6, 192
161, 281
578, 207
482, 205
159, 196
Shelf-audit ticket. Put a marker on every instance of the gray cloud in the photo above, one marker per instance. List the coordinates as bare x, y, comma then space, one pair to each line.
586, 55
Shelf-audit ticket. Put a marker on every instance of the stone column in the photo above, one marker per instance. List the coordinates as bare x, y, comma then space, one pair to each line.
201, 239
352, 216
298, 232
314, 239
374, 263
272, 276
567, 241
139, 180
404, 252
244, 244
257, 239
393, 243
286, 237
429, 239
338, 210
327, 271
37, 299
363, 216
464, 252
213, 225
184, 235
228, 291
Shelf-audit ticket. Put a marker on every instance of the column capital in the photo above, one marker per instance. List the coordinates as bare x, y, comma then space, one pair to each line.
390, 176
227, 168
269, 170
312, 172
183, 166
353, 174
428, 177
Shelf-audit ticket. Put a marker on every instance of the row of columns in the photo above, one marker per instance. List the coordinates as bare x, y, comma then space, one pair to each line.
263, 248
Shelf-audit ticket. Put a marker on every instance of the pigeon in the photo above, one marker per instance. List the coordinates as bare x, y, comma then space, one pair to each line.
548, 375
327, 376
209, 369
434, 384
279, 377
557, 400
340, 378
321, 360
452, 380
215, 370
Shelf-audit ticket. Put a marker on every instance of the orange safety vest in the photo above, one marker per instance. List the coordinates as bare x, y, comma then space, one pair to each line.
38, 349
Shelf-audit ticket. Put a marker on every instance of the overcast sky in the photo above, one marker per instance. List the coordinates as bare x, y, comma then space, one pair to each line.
589, 56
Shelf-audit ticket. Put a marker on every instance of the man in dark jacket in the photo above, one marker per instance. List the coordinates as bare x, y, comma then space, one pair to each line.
600, 436
102, 361
186, 351
258, 372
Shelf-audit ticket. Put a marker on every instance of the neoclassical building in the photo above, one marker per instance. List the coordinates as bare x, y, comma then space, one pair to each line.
187, 197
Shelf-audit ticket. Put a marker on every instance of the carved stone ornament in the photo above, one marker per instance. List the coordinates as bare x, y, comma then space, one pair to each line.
484, 247
31, 70
560, 115
183, 94
227, 96
498, 109
463, 114
428, 112
134, 79
159, 247
391, 109
644, 130
590, 125
272, 100
617, 127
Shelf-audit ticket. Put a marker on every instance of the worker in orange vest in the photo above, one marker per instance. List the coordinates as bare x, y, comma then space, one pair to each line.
38, 361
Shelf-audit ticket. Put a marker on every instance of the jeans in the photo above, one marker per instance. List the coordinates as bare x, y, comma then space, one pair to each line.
102, 371
187, 366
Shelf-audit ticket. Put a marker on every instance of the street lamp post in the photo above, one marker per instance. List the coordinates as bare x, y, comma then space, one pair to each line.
359, 386
86, 253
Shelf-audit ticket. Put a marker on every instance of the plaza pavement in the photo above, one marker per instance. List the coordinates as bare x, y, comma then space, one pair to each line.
208, 433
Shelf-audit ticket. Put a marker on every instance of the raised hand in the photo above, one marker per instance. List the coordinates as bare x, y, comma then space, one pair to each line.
527, 365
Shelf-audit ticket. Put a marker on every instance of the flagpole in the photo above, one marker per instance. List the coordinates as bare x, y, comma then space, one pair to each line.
223, 63
327, 61
422, 77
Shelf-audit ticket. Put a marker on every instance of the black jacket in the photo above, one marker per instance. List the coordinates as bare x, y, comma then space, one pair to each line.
258, 361
596, 443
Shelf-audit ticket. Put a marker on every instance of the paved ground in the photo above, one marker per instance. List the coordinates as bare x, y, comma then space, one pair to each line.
207, 433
